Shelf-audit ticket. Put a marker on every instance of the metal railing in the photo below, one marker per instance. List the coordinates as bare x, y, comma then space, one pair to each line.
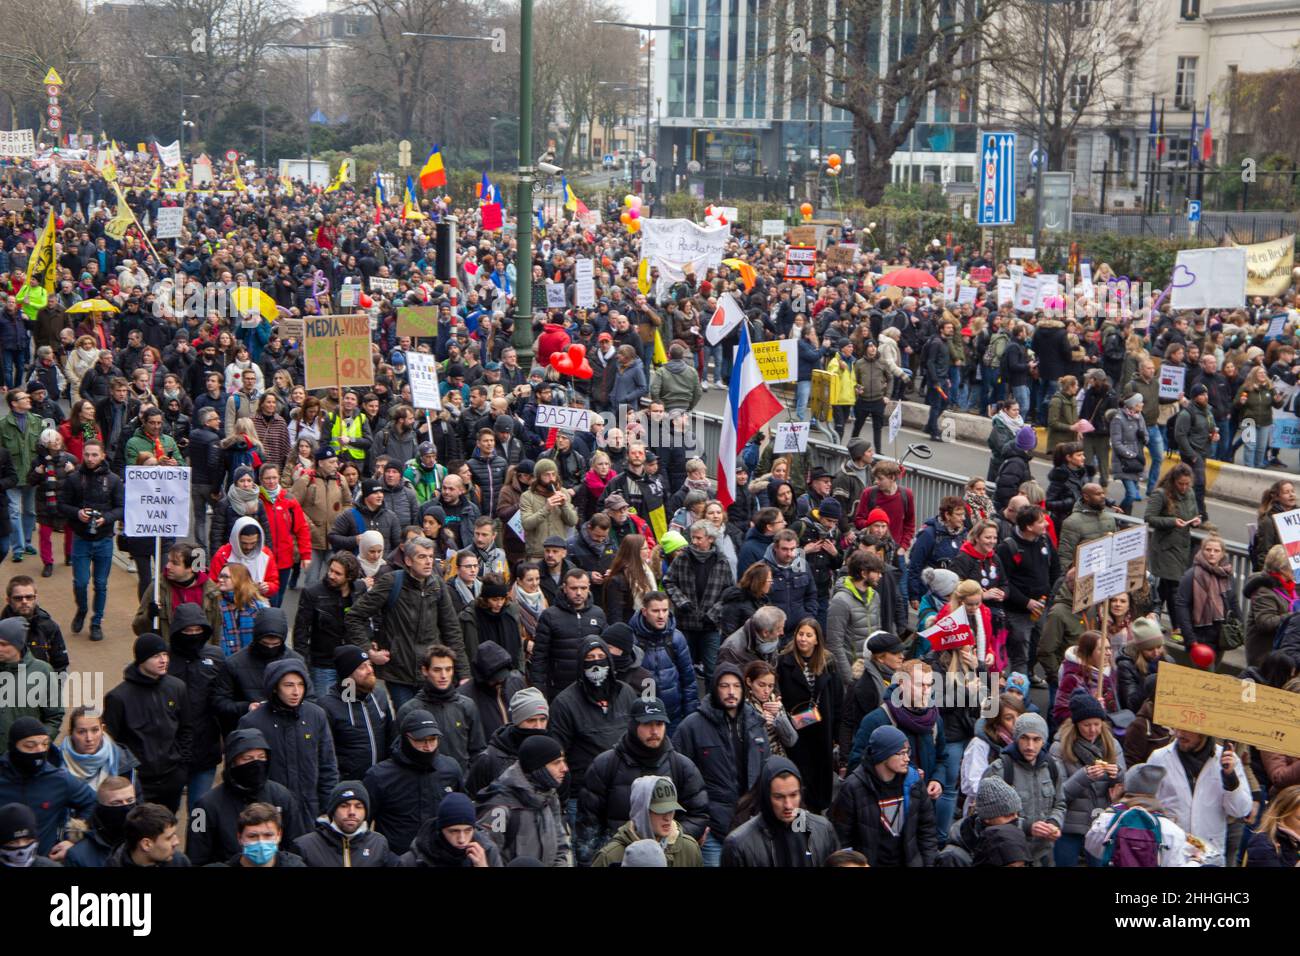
928, 485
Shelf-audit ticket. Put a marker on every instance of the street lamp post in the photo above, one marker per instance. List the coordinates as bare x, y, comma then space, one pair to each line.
306, 48
262, 74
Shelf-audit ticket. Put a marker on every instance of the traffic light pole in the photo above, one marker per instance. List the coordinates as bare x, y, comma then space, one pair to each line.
522, 337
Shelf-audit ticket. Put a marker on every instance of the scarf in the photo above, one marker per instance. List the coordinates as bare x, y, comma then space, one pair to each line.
466, 593
1207, 591
979, 506
1284, 585
529, 606
918, 723
89, 431
90, 766
370, 568
1014, 424
243, 501
775, 747
1085, 753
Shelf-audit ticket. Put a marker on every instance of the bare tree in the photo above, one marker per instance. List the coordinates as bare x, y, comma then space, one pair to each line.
38, 36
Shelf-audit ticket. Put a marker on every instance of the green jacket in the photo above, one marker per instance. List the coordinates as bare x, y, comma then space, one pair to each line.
1258, 407
21, 444
873, 378
34, 677
676, 384
1150, 392
1061, 414
140, 442
1062, 629
1081, 525
683, 851
1170, 548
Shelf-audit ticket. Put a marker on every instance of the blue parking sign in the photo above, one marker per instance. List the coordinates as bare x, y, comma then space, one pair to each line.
997, 192
1193, 210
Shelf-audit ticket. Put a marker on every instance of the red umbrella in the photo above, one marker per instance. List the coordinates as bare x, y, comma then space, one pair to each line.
910, 279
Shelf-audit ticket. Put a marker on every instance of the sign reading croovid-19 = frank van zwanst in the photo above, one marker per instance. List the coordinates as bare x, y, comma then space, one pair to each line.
350, 334
157, 501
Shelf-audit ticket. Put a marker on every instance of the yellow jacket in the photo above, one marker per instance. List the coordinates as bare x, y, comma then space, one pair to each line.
844, 381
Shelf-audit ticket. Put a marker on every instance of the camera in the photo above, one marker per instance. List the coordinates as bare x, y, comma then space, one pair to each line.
550, 168
94, 517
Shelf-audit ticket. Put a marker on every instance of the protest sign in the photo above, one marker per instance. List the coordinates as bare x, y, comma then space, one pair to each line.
157, 501
1129, 548
800, 262
584, 288
680, 240
590, 219
773, 227
1172, 378
290, 328
791, 437
556, 297
418, 321
170, 156
1027, 294
1269, 265
950, 282
1022, 252
778, 359
19, 143
966, 295
1286, 431
561, 416
950, 632
337, 352
167, 225
422, 372
516, 524
895, 422
1006, 291
803, 236
348, 294
1288, 533
1219, 705
383, 286
842, 256
1209, 278
1276, 327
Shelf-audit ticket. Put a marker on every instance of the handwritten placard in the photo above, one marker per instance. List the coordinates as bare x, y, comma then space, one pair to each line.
791, 437
1226, 707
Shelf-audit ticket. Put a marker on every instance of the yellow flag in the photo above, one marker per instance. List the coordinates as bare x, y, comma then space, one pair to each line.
239, 180
155, 181
287, 183
643, 276
42, 266
340, 178
182, 179
660, 355
747, 273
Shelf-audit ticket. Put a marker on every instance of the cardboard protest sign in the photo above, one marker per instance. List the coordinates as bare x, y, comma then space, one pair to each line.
800, 262
1227, 707
337, 350
418, 321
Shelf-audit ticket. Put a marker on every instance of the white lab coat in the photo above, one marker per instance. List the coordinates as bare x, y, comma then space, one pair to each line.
1205, 812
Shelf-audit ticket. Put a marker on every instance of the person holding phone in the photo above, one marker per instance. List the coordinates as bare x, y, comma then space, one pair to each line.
1171, 515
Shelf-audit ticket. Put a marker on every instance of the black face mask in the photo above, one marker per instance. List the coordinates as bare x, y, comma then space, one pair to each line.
543, 780
111, 820
266, 653
187, 645
25, 763
249, 777
422, 759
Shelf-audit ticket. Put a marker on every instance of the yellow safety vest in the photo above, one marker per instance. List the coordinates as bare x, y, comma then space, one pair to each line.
353, 430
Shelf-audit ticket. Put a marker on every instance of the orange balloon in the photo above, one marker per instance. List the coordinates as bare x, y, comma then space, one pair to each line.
833, 160
634, 226
807, 210
625, 219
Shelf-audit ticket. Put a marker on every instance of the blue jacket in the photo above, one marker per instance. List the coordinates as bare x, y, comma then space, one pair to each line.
793, 590
629, 386
810, 357
933, 547
668, 659
928, 750
752, 550
14, 333
255, 339
52, 793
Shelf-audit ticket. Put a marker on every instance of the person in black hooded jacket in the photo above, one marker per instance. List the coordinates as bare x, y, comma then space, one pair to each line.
345, 837
302, 748
405, 789
529, 716
448, 839
728, 743
782, 833
644, 750
214, 832
240, 680
495, 682
148, 714
883, 810
197, 663
360, 714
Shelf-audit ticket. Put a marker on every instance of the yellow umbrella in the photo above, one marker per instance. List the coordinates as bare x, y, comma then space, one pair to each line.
93, 305
250, 299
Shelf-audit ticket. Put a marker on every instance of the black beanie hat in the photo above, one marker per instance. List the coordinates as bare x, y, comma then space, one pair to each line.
620, 636
347, 658
17, 822
25, 727
146, 646
536, 752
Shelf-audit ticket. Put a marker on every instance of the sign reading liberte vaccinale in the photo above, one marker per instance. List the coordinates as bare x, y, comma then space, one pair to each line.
351, 334
157, 501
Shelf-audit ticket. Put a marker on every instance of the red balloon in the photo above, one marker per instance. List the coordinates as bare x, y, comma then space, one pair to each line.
1202, 656
577, 360
559, 361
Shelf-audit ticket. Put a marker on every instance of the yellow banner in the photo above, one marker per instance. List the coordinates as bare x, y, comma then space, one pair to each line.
1269, 265
778, 359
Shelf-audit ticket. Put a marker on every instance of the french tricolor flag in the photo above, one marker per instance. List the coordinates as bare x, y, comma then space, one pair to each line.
750, 406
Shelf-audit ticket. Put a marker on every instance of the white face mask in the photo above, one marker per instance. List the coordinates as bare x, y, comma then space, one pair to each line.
597, 674
21, 856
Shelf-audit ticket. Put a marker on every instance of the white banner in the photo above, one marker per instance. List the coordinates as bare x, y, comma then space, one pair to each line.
157, 501
383, 286
680, 240
1027, 294
1006, 291
1209, 278
950, 282
1021, 252
773, 227
966, 295
422, 373
584, 288
895, 422
170, 156
561, 416
791, 437
168, 223
19, 143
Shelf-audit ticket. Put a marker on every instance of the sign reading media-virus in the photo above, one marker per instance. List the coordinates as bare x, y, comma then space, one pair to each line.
338, 351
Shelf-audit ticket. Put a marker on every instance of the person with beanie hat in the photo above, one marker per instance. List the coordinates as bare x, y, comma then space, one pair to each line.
645, 853
1139, 658
453, 838
1136, 804
149, 714
883, 810
439, 695
728, 742
1002, 845
654, 804
1027, 766
529, 716
996, 800
343, 836
18, 847
546, 508
937, 585
527, 792
368, 514
241, 679
782, 833
628, 656
1091, 762
359, 712
32, 773
406, 789
302, 748
1015, 469
21, 667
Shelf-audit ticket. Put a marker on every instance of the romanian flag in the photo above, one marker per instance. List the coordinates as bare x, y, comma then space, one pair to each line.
571, 200
380, 198
410, 210
340, 178
1161, 145
484, 189
432, 176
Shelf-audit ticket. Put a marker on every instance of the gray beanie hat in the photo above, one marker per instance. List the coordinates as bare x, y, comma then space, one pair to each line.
526, 703
1147, 635
13, 630
1133, 401
1143, 778
941, 581
996, 798
644, 853
1029, 724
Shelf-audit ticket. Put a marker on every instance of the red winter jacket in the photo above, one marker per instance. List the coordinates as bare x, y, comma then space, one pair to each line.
552, 339
287, 521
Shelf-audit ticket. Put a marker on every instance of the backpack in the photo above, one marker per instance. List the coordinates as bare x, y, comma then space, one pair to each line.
993, 352
1009, 773
1133, 838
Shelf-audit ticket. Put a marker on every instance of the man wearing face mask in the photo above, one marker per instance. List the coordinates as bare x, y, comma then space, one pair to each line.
756, 640
526, 799
645, 749
344, 838
214, 832
148, 714
260, 832
239, 684
196, 663
529, 716
116, 798
32, 773
405, 789
453, 839
18, 838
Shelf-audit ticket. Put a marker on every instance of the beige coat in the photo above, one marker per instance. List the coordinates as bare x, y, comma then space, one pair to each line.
322, 501
540, 520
